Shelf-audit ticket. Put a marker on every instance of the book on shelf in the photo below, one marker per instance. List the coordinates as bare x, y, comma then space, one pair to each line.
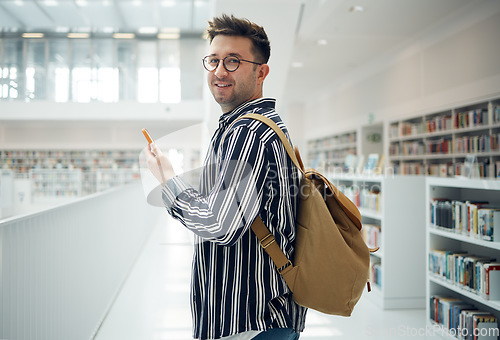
486, 327
376, 273
350, 162
488, 224
477, 274
491, 289
476, 219
471, 118
462, 320
372, 234
361, 164
371, 162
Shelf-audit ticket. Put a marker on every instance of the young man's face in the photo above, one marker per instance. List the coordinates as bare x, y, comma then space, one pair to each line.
231, 89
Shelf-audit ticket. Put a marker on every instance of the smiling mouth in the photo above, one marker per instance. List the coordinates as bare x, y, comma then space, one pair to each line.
222, 85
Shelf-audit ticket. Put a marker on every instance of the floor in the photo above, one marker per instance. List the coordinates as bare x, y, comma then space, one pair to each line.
154, 302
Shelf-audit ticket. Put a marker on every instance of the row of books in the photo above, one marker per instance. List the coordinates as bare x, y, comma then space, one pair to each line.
461, 145
348, 138
356, 164
376, 274
409, 168
372, 234
439, 146
463, 320
473, 144
439, 123
476, 274
366, 198
37, 154
470, 118
411, 128
407, 149
476, 219
481, 169
495, 114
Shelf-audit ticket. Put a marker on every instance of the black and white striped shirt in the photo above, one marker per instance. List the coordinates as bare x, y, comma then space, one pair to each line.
235, 286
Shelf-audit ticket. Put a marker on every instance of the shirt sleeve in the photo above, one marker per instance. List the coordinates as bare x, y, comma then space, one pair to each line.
224, 213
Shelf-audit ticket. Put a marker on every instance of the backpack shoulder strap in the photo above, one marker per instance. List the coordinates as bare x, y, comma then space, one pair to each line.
294, 156
265, 237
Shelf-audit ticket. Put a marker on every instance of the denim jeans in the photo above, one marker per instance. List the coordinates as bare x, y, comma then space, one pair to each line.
278, 334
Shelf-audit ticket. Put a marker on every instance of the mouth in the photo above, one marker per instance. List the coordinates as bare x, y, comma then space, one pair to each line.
223, 85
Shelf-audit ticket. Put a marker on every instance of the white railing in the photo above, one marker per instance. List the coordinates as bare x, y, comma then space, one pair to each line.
62, 268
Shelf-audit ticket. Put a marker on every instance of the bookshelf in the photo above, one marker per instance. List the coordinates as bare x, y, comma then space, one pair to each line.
399, 264
329, 153
437, 143
449, 245
55, 184
22, 160
47, 170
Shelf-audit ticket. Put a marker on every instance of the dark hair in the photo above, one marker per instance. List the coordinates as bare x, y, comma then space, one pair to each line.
229, 25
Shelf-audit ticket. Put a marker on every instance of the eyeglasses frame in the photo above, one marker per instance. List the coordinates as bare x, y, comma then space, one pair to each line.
224, 64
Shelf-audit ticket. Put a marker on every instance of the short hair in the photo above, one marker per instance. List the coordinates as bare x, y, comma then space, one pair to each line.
229, 25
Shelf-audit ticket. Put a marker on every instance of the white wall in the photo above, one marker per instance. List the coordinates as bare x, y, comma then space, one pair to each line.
453, 63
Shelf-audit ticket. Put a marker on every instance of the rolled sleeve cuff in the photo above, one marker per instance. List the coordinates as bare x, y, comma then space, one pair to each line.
172, 189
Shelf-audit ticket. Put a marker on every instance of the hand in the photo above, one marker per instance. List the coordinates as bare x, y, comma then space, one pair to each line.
158, 164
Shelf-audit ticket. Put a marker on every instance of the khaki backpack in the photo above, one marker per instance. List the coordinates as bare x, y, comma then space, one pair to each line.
331, 263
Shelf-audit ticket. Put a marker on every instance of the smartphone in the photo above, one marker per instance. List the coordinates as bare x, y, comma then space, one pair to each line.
147, 135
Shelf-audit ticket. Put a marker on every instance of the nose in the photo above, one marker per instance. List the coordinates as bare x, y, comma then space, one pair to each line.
220, 71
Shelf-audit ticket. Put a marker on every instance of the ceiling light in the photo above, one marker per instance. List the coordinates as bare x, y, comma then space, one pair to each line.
170, 30
19, 3
168, 36
78, 35
137, 2
148, 30
297, 64
50, 3
356, 8
81, 3
106, 3
167, 3
124, 35
32, 35
322, 42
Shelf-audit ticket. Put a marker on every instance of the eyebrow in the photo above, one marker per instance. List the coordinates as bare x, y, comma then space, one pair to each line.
230, 54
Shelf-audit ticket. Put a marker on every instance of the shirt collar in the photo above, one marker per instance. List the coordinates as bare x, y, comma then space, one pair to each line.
250, 106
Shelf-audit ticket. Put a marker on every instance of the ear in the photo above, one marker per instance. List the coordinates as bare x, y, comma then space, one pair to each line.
262, 73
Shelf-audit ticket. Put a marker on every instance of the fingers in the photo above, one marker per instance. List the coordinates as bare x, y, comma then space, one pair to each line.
155, 150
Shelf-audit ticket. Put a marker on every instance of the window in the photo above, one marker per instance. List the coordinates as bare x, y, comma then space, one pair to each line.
100, 69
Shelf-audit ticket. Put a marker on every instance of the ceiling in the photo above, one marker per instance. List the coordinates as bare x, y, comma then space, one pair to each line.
334, 40
330, 39
103, 15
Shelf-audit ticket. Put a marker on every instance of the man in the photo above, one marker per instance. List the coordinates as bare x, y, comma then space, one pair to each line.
237, 293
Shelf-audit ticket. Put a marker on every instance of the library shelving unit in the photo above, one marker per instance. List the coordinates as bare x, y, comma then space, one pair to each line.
55, 184
445, 237
398, 266
109, 178
98, 170
438, 143
330, 152
22, 160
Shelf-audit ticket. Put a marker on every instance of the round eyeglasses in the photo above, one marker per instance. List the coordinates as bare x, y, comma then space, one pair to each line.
231, 63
